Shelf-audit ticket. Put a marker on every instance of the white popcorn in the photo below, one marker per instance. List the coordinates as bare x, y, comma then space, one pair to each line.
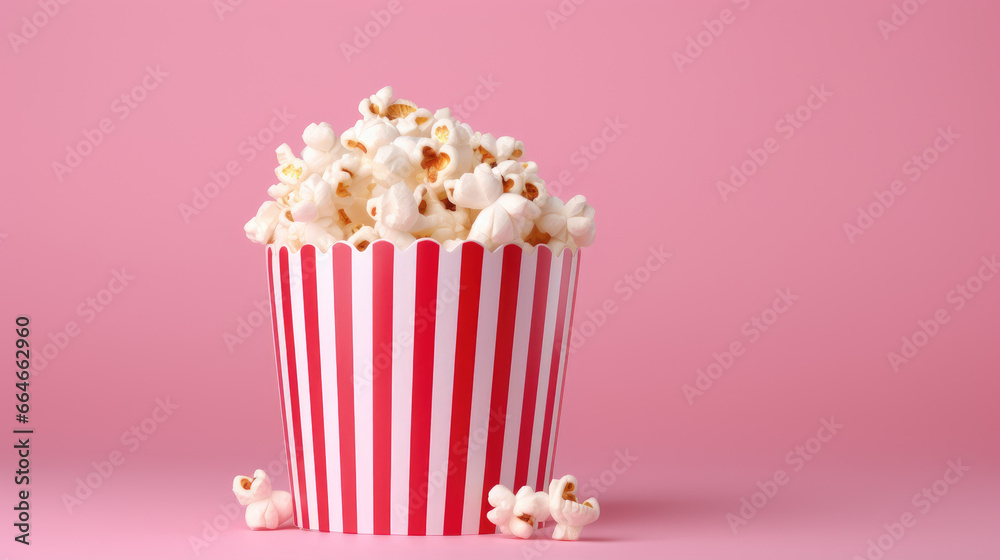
475, 190
580, 221
291, 172
438, 163
369, 135
284, 153
570, 515
305, 211
442, 223
318, 233
397, 214
392, 163
417, 124
316, 190
321, 148
320, 137
517, 514
362, 238
375, 105
403, 173
493, 150
503, 221
382, 104
518, 180
260, 228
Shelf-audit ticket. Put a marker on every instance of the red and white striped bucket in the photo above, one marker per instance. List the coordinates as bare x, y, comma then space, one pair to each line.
414, 381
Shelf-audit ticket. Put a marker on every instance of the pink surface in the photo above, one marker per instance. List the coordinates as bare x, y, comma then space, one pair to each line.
868, 101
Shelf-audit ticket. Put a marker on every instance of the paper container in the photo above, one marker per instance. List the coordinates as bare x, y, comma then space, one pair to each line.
413, 381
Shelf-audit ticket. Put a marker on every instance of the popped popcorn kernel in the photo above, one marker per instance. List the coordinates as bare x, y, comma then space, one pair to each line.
404, 172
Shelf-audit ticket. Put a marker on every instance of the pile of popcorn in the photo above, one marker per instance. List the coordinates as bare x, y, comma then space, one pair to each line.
404, 173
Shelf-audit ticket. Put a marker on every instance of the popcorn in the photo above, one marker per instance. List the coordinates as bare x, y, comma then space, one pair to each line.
291, 172
517, 514
382, 104
319, 233
321, 146
403, 173
260, 228
363, 237
418, 123
569, 514
492, 150
475, 190
502, 222
396, 213
369, 135
580, 221
265, 509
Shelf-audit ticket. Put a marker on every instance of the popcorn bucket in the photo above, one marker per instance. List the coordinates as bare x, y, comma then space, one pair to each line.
413, 381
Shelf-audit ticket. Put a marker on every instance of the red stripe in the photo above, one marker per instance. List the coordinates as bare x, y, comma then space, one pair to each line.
562, 390
506, 316
461, 400
382, 383
293, 383
550, 398
343, 325
281, 386
425, 308
311, 313
544, 261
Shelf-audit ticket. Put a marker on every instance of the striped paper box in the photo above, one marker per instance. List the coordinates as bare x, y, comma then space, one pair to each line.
413, 381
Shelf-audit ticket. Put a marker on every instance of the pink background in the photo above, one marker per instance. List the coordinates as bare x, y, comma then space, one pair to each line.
654, 186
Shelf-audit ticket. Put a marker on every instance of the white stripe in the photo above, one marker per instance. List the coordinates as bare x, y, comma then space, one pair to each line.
548, 337
403, 297
328, 361
361, 302
293, 475
518, 367
449, 270
482, 386
562, 371
302, 373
